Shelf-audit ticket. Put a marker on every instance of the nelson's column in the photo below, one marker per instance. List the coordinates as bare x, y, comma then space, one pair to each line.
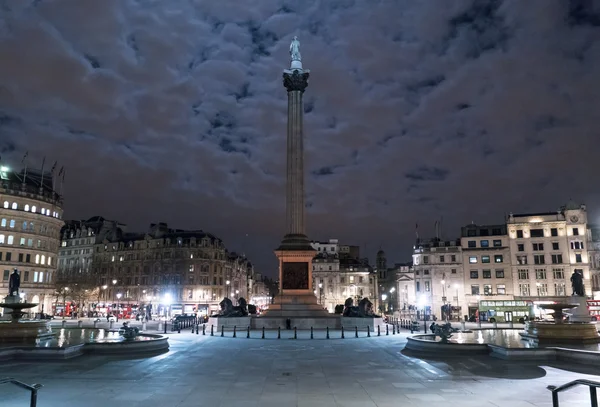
296, 299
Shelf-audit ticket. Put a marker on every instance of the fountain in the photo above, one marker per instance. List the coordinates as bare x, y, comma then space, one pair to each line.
18, 330
560, 331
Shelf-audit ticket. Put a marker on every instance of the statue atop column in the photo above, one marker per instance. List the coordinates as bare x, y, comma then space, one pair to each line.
577, 284
13, 284
295, 54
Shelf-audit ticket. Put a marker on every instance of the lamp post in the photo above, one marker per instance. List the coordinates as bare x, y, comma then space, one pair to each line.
445, 311
457, 306
392, 299
65, 290
383, 298
119, 295
167, 302
422, 306
321, 294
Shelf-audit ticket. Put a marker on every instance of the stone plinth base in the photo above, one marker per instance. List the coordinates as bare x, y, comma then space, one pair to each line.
300, 322
296, 306
362, 323
24, 331
581, 313
550, 332
229, 323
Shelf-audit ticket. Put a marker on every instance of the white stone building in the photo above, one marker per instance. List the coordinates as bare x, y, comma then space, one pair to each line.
486, 264
546, 248
338, 274
30, 222
439, 280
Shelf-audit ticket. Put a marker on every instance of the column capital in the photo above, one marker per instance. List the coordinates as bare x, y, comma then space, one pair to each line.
296, 79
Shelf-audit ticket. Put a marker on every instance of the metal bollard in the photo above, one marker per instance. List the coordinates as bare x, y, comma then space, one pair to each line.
79, 324
211, 330
378, 330
234, 331
311, 333
248, 332
387, 329
178, 328
159, 326
463, 326
343, 332
327, 333
64, 323
203, 329
110, 325
356, 332
197, 328
263, 333
295, 333
222, 331
143, 325
393, 329
278, 332
368, 331
95, 324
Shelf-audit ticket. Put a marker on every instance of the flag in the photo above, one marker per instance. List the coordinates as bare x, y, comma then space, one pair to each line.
63, 174
25, 157
417, 230
53, 167
61, 171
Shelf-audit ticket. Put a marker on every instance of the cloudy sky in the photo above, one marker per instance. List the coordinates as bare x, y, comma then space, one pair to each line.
175, 111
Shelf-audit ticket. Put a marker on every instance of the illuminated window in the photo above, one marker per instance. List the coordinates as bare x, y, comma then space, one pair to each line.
1, 239
11, 239
35, 276
64, 244
113, 258
5, 204
24, 225
41, 278
12, 223
26, 208
33, 208
3, 223
14, 205
22, 241
37, 259
473, 259
49, 261
43, 259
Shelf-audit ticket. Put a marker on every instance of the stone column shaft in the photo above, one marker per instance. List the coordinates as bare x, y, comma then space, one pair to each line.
295, 165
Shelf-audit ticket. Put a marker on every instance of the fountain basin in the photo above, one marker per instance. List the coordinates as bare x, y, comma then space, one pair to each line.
23, 331
560, 333
72, 342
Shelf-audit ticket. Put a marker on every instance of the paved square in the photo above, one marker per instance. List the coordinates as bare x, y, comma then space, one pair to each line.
364, 372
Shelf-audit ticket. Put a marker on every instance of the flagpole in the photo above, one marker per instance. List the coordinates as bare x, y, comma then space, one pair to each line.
23, 161
42, 180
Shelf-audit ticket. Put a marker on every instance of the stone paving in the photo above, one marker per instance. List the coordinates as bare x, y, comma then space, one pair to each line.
366, 372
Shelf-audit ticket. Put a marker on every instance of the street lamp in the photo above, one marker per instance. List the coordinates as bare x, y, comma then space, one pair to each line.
422, 306
445, 311
119, 295
321, 294
65, 301
167, 302
457, 307
383, 298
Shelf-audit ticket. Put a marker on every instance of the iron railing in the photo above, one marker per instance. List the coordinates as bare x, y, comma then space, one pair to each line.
32, 388
592, 386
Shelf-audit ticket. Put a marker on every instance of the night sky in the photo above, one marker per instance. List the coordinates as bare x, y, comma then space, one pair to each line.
174, 111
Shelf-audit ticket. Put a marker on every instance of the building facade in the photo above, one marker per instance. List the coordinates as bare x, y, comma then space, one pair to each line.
439, 279
167, 271
339, 274
486, 264
30, 222
546, 249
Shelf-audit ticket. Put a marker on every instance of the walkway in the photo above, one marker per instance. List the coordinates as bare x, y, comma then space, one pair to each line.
239, 372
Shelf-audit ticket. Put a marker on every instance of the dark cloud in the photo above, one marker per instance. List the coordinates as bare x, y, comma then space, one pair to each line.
175, 111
